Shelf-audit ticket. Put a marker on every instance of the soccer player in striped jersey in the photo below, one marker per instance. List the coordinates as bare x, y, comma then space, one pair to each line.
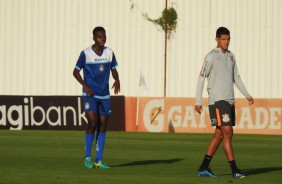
221, 71
97, 62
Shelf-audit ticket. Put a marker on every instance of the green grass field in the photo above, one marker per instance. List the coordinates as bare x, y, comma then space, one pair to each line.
57, 157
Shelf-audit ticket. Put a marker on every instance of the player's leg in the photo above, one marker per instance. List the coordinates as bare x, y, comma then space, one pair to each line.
226, 114
89, 137
217, 137
90, 131
215, 141
227, 144
228, 150
104, 110
100, 142
91, 116
100, 138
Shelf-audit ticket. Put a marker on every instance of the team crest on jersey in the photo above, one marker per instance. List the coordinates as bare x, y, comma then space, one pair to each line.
225, 118
87, 105
101, 68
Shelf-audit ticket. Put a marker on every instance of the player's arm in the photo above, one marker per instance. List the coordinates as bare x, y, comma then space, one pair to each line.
116, 84
200, 86
114, 72
76, 73
240, 85
205, 71
78, 77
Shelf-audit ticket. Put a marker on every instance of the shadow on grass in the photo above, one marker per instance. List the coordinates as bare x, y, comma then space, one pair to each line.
254, 171
149, 162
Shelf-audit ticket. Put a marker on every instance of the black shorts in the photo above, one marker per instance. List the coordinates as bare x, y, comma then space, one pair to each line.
222, 113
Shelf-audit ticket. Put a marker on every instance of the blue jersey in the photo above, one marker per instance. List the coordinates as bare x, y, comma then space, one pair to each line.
96, 70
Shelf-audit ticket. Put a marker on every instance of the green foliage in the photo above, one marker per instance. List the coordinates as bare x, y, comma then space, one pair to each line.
168, 20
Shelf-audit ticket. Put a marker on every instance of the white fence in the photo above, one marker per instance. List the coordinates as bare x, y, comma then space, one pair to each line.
40, 41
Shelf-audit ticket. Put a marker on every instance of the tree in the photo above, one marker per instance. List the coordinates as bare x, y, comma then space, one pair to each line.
168, 23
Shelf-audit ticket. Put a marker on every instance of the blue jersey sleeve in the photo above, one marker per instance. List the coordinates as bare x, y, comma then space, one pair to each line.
81, 61
114, 63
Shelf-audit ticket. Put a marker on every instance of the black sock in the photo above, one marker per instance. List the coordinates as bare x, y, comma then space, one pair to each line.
233, 166
206, 162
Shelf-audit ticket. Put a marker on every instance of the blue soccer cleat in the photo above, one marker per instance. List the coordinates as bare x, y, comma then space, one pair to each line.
101, 165
207, 173
238, 175
88, 163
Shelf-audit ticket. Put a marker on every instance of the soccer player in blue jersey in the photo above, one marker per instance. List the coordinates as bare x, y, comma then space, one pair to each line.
97, 62
221, 70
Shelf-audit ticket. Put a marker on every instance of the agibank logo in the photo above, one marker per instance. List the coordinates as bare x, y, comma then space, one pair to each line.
41, 112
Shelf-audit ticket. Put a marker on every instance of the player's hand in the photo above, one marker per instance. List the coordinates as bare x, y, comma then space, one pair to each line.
116, 86
250, 100
88, 91
198, 109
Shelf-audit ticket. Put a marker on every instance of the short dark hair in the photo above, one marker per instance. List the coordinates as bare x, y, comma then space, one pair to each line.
222, 31
97, 29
